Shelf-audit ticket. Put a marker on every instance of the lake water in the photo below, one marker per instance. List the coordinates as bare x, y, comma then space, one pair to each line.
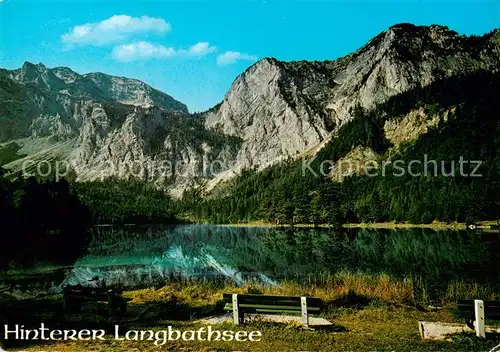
145, 256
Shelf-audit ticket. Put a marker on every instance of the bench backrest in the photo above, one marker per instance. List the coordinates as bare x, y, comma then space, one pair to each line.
491, 309
272, 304
90, 292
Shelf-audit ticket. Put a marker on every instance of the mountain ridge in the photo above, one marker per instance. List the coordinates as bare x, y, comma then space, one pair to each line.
61, 77
275, 109
302, 102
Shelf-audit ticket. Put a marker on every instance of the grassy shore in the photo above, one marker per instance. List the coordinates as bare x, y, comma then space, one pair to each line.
370, 329
482, 225
437, 225
369, 312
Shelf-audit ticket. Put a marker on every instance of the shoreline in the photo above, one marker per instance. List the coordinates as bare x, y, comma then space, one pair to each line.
485, 225
436, 225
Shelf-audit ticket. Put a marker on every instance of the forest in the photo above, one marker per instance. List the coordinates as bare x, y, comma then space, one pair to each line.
43, 222
283, 194
115, 201
47, 221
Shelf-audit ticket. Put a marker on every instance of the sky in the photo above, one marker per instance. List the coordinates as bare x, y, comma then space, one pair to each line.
193, 50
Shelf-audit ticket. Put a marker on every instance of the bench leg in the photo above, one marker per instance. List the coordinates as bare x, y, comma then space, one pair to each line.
72, 306
66, 304
479, 313
236, 312
111, 303
303, 308
123, 307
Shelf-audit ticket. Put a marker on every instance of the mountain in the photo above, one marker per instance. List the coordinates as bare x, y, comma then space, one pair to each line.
38, 101
281, 109
103, 126
97, 86
430, 153
133, 92
273, 112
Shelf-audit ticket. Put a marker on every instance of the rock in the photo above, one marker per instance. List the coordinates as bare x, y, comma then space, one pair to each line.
282, 109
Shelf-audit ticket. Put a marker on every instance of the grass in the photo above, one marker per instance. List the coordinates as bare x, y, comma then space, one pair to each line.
38, 270
369, 312
8, 153
343, 288
483, 225
373, 328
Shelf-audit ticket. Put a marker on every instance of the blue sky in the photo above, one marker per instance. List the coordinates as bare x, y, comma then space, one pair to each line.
193, 50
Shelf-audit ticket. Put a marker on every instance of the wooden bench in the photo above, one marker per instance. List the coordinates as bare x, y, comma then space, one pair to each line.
261, 304
477, 311
74, 296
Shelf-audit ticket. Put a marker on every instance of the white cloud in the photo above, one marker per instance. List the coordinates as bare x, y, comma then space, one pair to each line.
145, 50
113, 29
200, 49
230, 57
142, 51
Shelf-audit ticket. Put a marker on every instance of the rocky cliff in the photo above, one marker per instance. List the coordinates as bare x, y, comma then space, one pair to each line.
281, 109
107, 126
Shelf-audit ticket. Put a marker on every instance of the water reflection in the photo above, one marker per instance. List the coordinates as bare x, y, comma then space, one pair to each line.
146, 255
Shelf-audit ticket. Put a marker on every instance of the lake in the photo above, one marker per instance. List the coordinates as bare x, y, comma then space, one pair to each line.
142, 256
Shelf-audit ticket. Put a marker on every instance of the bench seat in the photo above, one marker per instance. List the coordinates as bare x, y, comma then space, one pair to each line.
491, 309
74, 296
263, 304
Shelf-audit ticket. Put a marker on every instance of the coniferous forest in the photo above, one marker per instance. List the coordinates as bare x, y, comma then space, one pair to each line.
42, 222
47, 221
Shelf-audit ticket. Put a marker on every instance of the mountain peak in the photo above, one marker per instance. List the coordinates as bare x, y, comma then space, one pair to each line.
407, 31
416, 29
30, 65
403, 26
133, 92
268, 60
264, 62
98, 86
31, 72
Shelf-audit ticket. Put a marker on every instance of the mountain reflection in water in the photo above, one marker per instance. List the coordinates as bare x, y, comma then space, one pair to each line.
144, 256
